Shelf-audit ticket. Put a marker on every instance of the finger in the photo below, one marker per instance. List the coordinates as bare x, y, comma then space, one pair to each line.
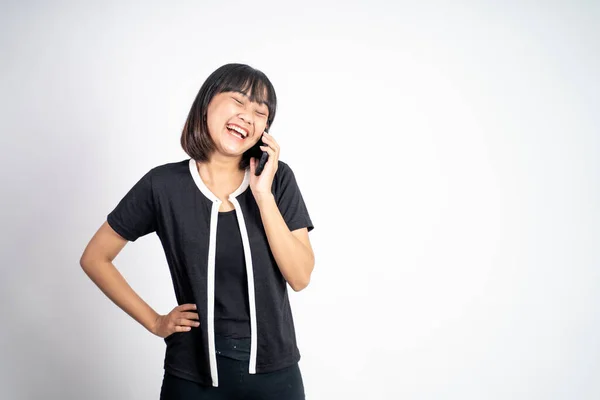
270, 141
186, 322
268, 150
182, 328
273, 156
186, 307
189, 315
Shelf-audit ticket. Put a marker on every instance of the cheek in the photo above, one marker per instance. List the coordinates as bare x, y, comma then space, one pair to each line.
220, 111
214, 126
217, 118
261, 124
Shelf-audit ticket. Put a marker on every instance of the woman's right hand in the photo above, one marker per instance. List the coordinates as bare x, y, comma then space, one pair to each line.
180, 319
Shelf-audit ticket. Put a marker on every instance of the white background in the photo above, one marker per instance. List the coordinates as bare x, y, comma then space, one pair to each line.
448, 154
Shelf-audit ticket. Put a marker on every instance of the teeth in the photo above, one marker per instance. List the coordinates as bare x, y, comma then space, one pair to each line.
238, 130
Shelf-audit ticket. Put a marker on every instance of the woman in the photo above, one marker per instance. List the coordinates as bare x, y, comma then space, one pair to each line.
233, 240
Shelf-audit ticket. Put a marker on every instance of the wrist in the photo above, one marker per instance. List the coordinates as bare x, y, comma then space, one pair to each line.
154, 323
264, 198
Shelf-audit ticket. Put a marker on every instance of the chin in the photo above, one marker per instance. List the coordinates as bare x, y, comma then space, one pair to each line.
233, 152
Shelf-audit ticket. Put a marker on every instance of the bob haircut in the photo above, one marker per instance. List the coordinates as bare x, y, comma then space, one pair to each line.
195, 138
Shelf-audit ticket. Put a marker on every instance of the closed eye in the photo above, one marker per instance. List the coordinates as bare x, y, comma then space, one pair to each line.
239, 102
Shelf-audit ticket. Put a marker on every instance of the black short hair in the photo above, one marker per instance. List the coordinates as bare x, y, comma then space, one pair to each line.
195, 138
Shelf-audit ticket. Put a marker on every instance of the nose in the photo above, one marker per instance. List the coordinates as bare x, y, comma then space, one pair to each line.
244, 116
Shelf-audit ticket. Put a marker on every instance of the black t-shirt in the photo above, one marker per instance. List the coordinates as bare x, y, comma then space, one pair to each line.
173, 201
232, 314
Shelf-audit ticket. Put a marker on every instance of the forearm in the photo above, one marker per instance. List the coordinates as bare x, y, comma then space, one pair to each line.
110, 281
294, 259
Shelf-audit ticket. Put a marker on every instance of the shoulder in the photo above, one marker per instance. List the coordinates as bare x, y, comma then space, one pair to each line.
284, 171
169, 171
163, 177
284, 175
284, 180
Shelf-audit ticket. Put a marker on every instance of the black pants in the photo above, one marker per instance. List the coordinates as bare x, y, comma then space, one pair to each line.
236, 383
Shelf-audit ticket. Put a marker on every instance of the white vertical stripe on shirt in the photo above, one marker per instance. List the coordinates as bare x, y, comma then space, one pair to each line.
251, 294
212, 246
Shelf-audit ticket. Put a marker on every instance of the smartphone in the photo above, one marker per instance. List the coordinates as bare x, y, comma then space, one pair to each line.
261, 156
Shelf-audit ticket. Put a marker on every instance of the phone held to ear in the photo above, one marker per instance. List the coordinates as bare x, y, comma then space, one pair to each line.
261, 156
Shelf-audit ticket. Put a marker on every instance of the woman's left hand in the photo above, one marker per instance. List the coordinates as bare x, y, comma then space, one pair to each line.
261, 185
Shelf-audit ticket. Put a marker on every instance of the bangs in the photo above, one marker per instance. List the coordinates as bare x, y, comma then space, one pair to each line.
252, 83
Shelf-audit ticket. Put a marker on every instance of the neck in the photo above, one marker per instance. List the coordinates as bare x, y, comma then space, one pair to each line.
219, 168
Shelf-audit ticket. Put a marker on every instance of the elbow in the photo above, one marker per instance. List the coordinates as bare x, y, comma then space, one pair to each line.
88, 261
83, 262
300, 284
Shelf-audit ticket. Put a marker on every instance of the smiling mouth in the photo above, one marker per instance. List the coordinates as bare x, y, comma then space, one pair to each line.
237, 131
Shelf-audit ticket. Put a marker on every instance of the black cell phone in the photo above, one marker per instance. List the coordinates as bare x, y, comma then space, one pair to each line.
261, 156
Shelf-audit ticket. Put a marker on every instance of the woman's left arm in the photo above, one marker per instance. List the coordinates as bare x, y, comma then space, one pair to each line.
292, 249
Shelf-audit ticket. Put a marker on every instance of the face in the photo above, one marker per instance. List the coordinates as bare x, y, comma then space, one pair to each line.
235, 123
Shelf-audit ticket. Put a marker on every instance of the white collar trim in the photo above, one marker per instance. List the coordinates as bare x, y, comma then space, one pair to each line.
206, 191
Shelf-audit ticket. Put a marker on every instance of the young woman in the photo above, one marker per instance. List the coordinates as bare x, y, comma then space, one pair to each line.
233, 241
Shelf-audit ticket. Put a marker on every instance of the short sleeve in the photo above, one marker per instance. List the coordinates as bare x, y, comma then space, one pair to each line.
290, 201
135, 215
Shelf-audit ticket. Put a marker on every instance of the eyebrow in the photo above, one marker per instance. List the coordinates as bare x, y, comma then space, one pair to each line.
246, 96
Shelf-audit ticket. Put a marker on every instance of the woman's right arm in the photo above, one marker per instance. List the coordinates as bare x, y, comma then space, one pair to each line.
97, 263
